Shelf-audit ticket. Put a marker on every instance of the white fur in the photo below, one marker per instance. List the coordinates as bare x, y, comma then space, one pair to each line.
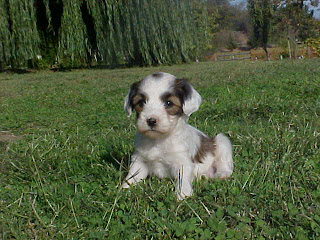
168, 149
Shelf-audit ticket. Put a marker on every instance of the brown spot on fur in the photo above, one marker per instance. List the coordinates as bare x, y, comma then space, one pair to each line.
214, 169
134, 91
207, 145
182, 89
157, 75
172, 104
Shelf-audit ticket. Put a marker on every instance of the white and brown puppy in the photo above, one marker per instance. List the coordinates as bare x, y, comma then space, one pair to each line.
165, 145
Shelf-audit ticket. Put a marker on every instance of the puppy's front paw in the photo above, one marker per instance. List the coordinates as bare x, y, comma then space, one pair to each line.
125, 185
223, 174
184, 193
181, 196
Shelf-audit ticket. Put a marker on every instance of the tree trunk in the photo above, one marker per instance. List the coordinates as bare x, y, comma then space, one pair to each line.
267, 52
295, 50
308, 51
289, 50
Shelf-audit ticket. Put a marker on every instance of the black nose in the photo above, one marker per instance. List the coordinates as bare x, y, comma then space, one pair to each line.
152, 122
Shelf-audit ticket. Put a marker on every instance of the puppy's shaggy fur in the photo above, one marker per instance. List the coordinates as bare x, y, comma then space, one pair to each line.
165, 145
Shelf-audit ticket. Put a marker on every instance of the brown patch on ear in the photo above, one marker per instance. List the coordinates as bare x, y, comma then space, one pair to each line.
207, 145
182, 89
134, 91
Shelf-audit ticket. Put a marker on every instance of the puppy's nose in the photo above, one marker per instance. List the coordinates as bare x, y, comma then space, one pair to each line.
152, 122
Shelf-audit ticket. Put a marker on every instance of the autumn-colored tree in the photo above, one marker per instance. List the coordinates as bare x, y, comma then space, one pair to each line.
295, 22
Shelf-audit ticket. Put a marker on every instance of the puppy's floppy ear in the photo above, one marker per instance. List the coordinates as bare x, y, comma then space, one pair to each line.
128, 105
193, 103
191, 99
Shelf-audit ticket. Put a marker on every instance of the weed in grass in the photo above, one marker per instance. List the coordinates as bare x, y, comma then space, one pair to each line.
60, 179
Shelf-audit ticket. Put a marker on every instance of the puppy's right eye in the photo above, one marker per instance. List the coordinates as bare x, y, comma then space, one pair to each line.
141, 103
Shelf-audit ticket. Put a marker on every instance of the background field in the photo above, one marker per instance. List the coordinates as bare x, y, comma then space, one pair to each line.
65, 143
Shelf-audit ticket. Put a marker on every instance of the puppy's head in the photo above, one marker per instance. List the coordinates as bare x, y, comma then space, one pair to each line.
160, 100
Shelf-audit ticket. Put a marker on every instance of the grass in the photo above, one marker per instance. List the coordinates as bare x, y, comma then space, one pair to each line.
70, 142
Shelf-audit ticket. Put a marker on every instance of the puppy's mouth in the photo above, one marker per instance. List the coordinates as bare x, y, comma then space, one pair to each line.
152, 132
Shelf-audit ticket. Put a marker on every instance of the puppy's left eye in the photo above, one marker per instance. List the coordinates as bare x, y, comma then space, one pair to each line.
168, 104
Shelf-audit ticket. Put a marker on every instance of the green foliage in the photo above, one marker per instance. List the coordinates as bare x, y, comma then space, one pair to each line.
158, 34
232, 16
19, 39
232, 44
226, 18
293, 19
73, 44
206, 24
83, 32
60, 179
314, 43
261, 13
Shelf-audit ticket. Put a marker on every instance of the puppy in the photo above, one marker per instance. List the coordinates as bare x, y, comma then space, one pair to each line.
165, 145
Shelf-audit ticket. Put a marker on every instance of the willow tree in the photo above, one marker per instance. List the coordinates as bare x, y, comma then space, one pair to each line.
157, 32
19, 38
136, 32
106, 38
147, 32
73, 44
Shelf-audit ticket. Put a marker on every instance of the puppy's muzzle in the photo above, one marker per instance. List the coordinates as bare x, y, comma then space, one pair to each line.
152, 122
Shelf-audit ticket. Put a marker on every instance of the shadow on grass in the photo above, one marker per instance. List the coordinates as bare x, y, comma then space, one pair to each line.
17, 70
116, 158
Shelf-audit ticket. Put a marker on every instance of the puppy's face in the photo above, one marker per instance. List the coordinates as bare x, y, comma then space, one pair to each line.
160, 100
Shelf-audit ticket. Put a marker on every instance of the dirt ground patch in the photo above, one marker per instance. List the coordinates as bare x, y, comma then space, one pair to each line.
8, 137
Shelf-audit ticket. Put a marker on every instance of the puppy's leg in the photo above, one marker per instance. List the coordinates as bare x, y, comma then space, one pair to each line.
137, 172
184, 177
223, 157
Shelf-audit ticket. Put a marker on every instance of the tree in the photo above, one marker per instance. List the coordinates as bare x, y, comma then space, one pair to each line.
75, 33
261, 14
19, 38
229, 18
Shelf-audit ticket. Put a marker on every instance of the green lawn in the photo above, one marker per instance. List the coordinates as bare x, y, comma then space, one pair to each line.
65, 143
